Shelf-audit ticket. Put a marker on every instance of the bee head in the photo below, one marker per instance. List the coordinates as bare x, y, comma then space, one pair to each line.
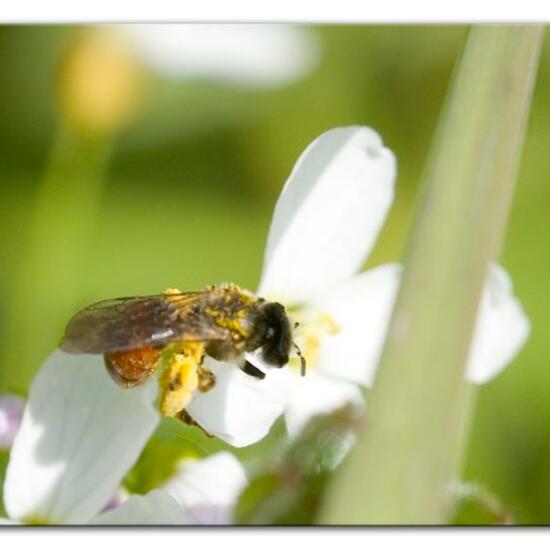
272, 333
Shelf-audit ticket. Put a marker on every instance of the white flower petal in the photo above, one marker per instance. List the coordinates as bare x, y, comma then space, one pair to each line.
79, 435
329, 214
501, 331
317, 394
155, 508
362, 308
208, 489
257, 55
11, 412
239, 409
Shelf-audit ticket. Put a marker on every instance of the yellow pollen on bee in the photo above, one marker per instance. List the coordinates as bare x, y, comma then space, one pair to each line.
181, 378
194, 350
169, 291
233, 324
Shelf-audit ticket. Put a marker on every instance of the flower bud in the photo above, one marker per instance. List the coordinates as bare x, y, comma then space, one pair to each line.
100, 82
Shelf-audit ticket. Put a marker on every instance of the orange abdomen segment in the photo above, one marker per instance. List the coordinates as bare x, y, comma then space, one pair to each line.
131, 368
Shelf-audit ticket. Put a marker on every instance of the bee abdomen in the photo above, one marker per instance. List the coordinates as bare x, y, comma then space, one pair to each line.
131, 368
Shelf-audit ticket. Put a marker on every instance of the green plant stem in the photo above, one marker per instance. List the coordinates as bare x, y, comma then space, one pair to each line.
45, 286
411, 447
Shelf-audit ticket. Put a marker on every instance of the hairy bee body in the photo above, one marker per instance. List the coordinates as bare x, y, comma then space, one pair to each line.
137, 335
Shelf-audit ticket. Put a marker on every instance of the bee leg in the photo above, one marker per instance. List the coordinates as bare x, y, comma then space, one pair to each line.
184, 374
186, 418
207, 379
179, 380
251, 370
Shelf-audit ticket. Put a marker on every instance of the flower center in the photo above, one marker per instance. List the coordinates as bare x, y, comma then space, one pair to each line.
308, 335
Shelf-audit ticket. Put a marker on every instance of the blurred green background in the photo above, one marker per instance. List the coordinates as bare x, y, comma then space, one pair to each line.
182, 195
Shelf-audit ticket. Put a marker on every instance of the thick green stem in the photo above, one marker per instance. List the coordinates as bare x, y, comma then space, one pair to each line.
411, 446
50, 265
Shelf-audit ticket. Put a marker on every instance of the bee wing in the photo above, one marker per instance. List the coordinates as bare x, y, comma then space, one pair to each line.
137, 322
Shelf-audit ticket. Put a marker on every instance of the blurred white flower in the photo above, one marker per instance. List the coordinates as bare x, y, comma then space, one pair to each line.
207, 489
252, 55
11, 411
79, 435
325, 224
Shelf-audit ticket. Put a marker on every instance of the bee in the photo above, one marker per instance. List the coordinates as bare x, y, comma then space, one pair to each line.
173, 332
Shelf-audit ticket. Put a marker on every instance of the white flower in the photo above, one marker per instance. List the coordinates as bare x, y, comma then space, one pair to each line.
11, 411
253, 55
79, 435
325, 224
208, 489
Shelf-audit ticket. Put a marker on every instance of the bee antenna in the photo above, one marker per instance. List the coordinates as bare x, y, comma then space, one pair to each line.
302, 359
